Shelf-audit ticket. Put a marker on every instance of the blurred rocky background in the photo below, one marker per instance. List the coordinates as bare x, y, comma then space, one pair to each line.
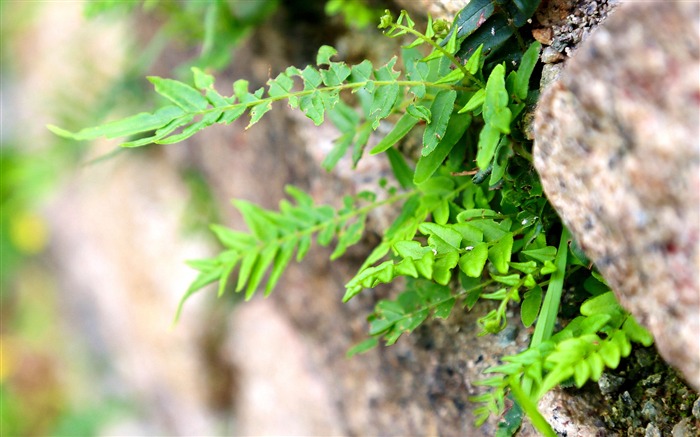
94, 241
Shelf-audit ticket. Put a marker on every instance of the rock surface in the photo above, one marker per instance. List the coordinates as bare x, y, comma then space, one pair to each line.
617, 148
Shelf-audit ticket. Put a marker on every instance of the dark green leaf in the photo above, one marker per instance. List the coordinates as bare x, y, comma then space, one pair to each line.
441, 110
402, 172
492, 35
428, 165
472, 17
522, 10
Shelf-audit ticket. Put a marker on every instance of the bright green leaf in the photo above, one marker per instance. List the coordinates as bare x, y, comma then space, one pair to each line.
181, 94
362, 347
488, 140
527, 65
476, 101
500, 253
402, 127
473, 260
530, 307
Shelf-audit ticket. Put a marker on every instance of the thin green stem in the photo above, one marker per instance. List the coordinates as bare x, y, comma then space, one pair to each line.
530, 408
442, 50
439, 302
335, 220
552, 300
328, 89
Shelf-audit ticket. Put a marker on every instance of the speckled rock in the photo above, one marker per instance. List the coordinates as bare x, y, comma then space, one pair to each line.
617, 148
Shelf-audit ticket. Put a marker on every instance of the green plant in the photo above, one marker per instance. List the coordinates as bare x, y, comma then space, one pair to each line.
464, 233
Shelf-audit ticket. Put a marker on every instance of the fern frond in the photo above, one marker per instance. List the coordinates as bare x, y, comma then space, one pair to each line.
592, 342
275, 236
194, 108
421, 299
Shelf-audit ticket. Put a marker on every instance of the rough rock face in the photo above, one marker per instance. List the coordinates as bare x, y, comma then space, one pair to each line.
617, 148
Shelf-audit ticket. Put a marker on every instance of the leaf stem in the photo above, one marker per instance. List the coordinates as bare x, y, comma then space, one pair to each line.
335, 220
442, 50
530, 408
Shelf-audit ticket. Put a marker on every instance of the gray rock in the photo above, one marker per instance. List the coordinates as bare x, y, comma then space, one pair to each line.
617, 148
650, 410
684, 428
652, 431
610, 383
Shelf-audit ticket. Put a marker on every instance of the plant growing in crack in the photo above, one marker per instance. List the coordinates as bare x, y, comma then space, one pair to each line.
458, 239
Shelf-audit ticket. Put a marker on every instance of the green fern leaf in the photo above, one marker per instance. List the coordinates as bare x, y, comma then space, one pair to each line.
384, 97
182, 95
530, 308
500, 253
428, 164
400, 130
441, 111
527, 65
